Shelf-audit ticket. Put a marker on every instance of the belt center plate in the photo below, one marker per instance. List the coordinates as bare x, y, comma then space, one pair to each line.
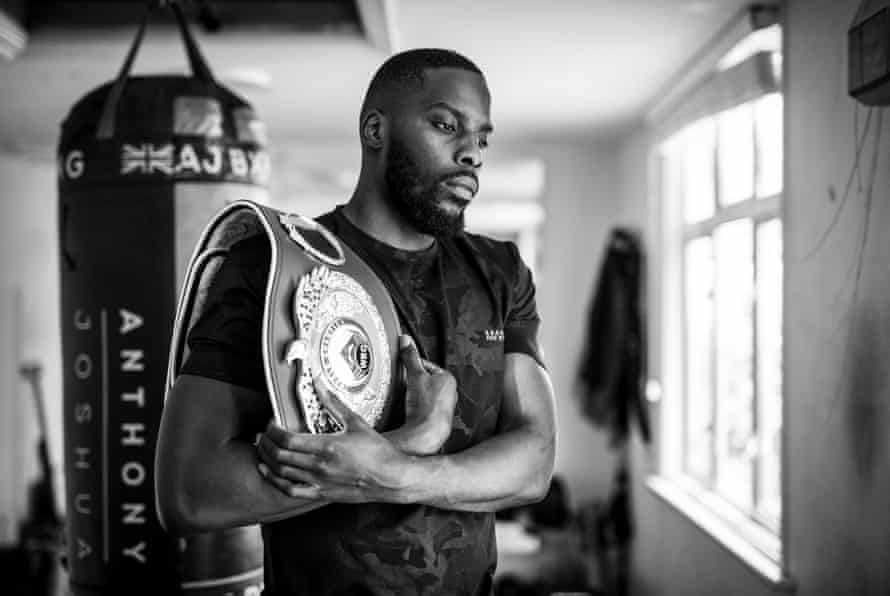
342, 344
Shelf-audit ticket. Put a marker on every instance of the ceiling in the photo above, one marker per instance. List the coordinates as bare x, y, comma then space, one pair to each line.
574, 68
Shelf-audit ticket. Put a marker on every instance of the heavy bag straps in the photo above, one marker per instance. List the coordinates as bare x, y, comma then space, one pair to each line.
200, 69
197, 63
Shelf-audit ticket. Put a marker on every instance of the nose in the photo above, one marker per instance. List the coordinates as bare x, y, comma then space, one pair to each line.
469, 153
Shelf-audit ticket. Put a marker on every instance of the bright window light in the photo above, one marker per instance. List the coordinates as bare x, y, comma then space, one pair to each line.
768, 39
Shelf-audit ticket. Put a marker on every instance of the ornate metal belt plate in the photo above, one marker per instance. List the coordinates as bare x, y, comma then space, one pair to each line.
342, 344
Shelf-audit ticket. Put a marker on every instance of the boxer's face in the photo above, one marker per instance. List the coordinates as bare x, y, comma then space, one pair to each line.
434, 150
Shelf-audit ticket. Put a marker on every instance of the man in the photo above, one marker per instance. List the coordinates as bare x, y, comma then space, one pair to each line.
409, 510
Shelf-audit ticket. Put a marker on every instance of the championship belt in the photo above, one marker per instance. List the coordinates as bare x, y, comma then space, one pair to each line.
327, 320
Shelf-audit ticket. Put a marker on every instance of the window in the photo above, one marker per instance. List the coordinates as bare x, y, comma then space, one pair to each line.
721, 179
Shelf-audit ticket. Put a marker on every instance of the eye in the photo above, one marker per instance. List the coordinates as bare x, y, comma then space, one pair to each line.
444, 126
483, 143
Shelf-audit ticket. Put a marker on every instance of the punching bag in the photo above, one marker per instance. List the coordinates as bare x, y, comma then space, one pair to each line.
143, 163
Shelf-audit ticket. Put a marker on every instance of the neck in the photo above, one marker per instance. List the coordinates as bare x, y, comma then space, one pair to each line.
369, 211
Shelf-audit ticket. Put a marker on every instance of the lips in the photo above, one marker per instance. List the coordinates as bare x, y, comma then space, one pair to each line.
466, 182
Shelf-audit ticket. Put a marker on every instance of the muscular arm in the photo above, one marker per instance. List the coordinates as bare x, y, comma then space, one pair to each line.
206, 476
513, 467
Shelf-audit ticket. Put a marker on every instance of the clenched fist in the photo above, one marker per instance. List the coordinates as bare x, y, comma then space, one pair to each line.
430, 397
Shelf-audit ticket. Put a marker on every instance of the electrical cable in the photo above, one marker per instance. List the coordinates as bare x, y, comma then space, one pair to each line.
860, 144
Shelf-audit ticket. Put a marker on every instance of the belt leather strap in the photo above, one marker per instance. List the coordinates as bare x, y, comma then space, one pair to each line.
327, 318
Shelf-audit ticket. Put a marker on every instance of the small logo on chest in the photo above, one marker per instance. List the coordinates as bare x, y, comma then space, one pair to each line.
494, 336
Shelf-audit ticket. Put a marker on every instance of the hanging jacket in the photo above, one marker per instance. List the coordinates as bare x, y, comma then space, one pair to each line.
611, 371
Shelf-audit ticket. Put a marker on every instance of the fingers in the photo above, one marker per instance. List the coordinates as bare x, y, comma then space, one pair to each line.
293, 473
302, 442
431, 367
274, 457
315, 492
341, 412
306, 489
411, 359
409, 356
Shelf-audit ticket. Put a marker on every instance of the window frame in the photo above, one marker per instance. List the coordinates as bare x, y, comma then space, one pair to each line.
764, 210
762, 549
756, 541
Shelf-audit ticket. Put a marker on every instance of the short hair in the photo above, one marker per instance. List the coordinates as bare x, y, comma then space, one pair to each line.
409, 67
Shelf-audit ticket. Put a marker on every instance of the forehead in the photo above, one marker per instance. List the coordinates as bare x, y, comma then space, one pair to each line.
462, 89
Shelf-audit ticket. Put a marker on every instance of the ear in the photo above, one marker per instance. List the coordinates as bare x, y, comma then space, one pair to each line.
373, 129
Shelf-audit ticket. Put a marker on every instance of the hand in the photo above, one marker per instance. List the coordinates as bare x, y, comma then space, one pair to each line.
355, 465
430, 397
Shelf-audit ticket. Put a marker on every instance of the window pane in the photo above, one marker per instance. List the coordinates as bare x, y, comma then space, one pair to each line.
768, 112
699, 274
769, 366
734, 295
698, 170
736, 154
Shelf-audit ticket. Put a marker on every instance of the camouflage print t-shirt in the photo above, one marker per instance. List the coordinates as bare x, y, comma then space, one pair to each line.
467, 301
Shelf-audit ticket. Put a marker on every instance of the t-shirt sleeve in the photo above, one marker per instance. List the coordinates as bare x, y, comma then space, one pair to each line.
225, 342
522, 323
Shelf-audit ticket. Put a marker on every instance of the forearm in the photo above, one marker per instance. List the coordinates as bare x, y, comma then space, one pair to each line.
417, 439
226, 490
510, 469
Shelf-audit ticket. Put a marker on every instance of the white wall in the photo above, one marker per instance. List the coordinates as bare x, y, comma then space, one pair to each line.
837, 346
580, 199
838, 338
29, 283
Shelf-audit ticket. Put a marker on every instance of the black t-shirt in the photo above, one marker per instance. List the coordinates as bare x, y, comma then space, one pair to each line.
466, 300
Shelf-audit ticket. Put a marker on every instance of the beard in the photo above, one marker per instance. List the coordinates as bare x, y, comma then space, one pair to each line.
421, 201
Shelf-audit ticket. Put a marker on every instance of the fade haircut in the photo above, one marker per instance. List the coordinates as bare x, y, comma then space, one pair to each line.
409, 68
